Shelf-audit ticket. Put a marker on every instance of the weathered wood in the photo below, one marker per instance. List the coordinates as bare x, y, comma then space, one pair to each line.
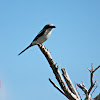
57, 74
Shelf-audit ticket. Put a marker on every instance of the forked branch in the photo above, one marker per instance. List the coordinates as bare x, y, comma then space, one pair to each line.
66, 91
82, 86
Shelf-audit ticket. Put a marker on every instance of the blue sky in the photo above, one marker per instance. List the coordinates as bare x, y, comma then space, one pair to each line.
74, 44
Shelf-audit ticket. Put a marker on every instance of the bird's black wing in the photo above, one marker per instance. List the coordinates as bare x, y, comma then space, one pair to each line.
39, 35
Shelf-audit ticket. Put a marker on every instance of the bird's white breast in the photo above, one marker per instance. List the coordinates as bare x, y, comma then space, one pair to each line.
48, 33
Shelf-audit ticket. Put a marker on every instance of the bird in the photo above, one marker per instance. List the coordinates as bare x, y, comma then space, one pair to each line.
42, 36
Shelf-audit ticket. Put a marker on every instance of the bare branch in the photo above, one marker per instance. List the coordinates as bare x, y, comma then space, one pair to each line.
96, 68
81, 86
57, 74
92, 72
94, 89
69, 83
91, 87
77, 91
70, 92
56, 87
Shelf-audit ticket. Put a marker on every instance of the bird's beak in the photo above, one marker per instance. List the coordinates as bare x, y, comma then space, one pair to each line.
52, 26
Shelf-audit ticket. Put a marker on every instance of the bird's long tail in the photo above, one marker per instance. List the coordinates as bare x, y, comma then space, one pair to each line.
25, 49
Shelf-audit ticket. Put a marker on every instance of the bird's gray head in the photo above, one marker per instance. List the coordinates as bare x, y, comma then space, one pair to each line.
49, 26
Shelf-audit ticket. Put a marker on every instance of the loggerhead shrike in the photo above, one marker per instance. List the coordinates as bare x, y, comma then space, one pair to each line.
42, 36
